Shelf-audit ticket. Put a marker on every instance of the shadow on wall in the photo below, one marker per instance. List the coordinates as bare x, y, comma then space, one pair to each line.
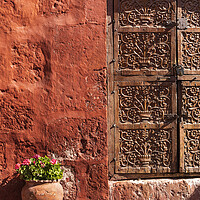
195, 195
11, 187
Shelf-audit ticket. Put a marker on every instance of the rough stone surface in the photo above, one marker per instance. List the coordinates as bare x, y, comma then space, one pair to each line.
68, 183
53, 92
163, 189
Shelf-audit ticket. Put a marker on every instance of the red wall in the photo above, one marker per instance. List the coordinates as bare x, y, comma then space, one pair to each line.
53, 92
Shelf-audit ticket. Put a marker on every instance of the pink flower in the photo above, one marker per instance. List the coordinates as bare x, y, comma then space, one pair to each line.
42, 165
53, 161
26, 162
17, 166
34, 162
36, 156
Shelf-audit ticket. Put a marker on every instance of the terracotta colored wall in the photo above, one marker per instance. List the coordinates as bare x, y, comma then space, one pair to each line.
53, 92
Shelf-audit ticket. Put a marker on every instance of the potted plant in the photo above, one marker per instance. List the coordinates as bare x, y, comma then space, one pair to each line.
41, 175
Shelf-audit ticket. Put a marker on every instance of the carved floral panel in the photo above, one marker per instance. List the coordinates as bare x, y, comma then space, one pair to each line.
144, 51
152, 103
190, 50
145, 12
191, 104
191, 11
145, 148
192, 148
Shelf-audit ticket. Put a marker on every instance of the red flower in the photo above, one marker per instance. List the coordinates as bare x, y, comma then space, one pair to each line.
53, 161
17, 166
26, 162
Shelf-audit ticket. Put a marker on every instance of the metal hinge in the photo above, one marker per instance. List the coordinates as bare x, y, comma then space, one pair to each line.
170, 24
182, 23
112, 22
114, 126
179, 70
112, 61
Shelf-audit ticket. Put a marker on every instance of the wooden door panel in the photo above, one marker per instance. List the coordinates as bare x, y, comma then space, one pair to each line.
145, 53
144, 43
145, 138
190, 127
148, 37
188, 39
146, 150
141, 101
190, 9
189, 54
151, 13
189, 59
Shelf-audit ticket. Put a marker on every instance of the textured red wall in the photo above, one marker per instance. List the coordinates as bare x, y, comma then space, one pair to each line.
53, 92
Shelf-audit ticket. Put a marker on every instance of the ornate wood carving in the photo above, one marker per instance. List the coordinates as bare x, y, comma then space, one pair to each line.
191, 11
190, 50
145, 150
145, 12
191, 104
144, 51
190, 127
140, 103
192, 150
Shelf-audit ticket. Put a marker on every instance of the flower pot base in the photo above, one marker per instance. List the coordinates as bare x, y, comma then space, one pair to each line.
41, 190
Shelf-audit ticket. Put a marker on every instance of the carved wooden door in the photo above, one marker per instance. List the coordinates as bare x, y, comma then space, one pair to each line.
156, 88
189, 109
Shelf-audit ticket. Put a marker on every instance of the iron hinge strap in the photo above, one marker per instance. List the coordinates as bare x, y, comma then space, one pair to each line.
114, 126
179, 69
181, 23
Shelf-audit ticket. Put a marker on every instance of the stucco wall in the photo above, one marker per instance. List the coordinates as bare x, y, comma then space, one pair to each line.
53, 92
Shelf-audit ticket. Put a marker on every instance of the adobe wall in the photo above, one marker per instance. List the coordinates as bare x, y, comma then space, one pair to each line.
53, 100
53, 92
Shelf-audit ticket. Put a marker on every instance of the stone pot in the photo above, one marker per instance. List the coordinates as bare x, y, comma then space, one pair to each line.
42, 190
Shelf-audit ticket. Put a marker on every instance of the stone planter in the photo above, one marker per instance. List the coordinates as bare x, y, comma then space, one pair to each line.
42, 190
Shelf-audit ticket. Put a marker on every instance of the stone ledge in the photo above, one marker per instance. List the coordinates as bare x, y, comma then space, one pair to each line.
160, 189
